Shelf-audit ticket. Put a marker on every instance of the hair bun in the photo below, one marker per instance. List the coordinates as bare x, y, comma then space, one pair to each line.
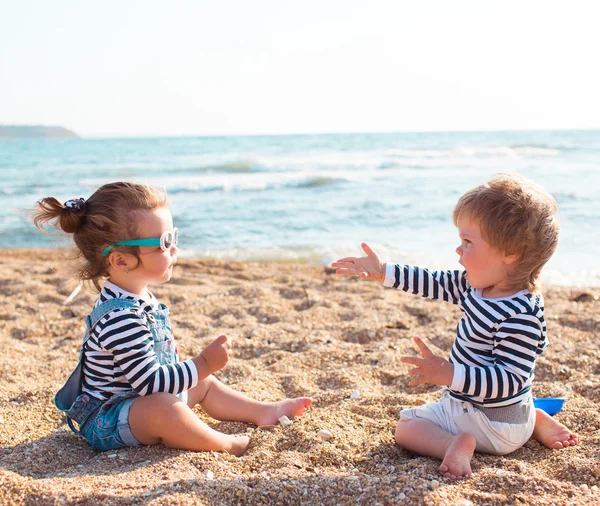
72, 214
68, 216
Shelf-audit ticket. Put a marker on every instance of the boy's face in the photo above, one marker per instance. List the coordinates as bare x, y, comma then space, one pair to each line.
487, 267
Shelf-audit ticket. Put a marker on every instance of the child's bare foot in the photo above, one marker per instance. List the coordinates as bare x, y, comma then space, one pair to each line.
238, 445
457, 460
271, 413
551, 433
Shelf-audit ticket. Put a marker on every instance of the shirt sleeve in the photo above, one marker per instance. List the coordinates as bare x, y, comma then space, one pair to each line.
445, 285
518, 341
128, 338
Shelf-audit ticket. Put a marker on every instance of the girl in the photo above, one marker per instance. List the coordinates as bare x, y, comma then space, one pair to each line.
129, 388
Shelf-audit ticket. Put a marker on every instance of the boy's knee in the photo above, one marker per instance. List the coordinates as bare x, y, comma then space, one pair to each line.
402, 431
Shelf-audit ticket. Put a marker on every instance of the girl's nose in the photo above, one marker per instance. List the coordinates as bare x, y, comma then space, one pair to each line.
459, 251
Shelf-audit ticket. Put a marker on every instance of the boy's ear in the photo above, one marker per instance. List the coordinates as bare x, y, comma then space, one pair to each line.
510, 259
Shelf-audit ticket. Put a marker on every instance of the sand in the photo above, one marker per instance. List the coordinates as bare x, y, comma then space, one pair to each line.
296, 330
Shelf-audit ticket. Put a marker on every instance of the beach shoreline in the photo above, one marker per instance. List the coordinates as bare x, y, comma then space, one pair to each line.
297, 329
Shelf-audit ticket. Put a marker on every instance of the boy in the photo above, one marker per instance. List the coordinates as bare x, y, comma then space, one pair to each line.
508, 231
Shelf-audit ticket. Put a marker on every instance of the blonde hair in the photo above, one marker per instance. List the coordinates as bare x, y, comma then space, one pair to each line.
517, 217
108, 216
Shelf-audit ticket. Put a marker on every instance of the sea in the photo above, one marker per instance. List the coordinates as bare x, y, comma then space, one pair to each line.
315, 198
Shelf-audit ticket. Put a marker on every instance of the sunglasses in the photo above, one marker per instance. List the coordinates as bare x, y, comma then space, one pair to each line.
165, 241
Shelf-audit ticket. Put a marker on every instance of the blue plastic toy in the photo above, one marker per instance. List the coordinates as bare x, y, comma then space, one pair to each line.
550, 405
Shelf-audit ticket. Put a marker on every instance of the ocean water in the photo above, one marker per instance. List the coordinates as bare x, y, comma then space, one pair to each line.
313, 198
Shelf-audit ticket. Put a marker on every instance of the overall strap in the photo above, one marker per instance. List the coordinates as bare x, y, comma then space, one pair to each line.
70, 391
103, 309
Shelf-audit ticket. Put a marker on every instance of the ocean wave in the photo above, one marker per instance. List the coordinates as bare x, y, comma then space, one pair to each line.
174, 190
391, 158
252, 163
563, 197
240, 182
21, 189
536, 151
508, 151
473, 151
233, 167
317, 181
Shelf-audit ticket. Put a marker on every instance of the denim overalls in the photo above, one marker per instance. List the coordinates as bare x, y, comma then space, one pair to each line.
105, 423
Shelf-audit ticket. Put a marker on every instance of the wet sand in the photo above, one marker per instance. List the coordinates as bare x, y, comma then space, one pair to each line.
296, 330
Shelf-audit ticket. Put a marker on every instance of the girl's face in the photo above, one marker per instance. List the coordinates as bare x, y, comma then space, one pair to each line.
156, 265
487, 268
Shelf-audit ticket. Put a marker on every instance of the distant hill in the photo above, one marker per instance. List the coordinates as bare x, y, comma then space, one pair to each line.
35, 132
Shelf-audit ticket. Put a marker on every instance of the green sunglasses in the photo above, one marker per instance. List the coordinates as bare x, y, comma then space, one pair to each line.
165, 241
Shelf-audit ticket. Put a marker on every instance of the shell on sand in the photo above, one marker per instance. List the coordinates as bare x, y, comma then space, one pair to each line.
296, 330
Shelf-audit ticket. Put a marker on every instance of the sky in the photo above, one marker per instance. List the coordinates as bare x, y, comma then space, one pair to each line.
193, 67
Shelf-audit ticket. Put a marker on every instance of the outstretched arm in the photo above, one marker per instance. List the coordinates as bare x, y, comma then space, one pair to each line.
446, 285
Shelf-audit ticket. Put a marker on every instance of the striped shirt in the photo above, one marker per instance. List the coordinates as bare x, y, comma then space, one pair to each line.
119, 355
497, 340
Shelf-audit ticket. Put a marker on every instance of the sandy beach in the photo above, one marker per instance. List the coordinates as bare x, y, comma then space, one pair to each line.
296, 330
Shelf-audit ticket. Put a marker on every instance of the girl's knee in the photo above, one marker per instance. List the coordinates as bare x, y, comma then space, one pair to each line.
158, 402
198, 393
151, 415
162, 398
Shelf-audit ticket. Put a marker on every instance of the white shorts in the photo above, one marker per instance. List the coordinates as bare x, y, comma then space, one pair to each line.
458, 417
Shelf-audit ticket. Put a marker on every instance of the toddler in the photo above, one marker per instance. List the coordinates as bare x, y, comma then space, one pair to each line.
129, 388
508, 231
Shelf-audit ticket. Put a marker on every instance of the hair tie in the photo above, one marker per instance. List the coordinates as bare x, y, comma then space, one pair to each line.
75, 203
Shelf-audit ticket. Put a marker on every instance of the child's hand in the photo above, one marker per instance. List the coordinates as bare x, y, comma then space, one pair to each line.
217, 354
368, 267
431, 369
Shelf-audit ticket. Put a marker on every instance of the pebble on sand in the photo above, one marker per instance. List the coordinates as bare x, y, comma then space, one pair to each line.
325, 435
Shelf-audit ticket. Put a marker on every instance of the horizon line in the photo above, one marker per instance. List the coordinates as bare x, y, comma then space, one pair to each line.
114, 135
331, 133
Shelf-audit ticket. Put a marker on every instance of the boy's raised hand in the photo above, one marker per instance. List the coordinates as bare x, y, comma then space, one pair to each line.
369, 267
431, 369
217, 354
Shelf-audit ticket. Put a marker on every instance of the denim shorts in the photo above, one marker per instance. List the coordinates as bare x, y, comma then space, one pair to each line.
105, 425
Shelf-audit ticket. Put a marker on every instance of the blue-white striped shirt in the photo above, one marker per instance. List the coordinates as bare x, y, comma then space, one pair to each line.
119, 355
497, 340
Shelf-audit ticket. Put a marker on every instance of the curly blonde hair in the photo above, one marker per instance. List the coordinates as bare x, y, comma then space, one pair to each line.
516, 216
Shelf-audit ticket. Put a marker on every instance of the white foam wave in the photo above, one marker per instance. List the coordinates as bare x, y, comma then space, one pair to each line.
374, 158
231, 182
574, 278
536, 151
252, 163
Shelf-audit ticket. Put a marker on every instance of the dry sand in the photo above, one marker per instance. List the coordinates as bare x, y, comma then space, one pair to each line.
297, 330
